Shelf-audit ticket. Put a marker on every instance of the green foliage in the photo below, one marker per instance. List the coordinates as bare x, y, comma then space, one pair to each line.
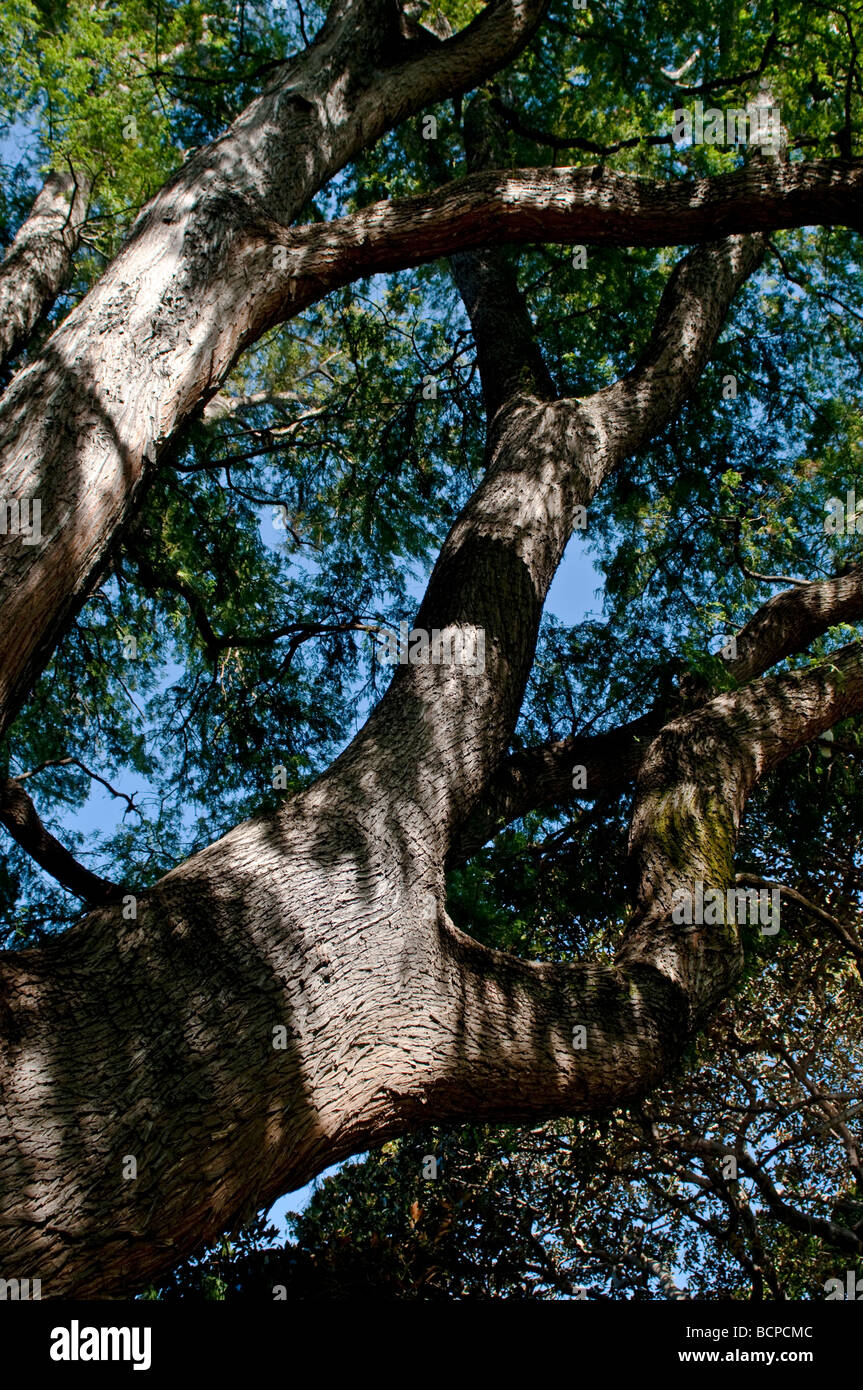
125, 89
334, 441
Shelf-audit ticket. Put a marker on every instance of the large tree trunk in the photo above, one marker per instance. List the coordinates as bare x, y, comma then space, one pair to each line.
157, 334
295, 992
159, 1038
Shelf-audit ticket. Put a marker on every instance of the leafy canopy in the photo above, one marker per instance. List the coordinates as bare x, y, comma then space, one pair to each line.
304, 511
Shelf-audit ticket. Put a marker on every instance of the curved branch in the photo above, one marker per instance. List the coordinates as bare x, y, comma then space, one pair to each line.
546, 460
565, 205
790, 621
21, 819
82, 426
94, 776
216, 642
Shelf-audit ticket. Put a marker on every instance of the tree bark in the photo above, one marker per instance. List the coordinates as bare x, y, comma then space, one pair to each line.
153, 1038
37, 265
81, 426
296, 992
21, 819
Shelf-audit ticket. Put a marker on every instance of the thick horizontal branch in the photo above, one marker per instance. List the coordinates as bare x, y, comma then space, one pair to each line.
790, 621
591, 205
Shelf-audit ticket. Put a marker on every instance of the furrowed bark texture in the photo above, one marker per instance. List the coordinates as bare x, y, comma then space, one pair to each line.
295, 992
594, 205
157, 334
328, 920
37, 265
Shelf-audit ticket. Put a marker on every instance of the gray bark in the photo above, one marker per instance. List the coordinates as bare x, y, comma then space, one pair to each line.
37, 265
153, 1036
82, 426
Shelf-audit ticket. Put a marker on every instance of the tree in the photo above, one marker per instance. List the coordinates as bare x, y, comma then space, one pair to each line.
220, 1026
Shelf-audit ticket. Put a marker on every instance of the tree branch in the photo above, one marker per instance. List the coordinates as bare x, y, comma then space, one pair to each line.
542, 778
508, 356
690, 795
839, 1237
545, 460
593, 205
21, 819
37, 264
790, 621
